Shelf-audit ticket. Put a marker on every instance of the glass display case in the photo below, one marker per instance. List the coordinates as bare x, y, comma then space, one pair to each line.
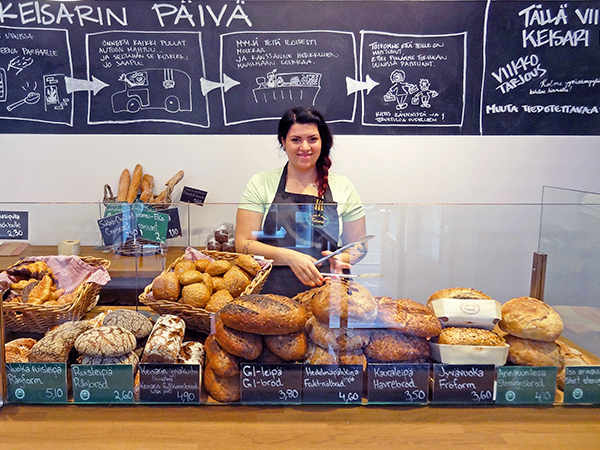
417, 250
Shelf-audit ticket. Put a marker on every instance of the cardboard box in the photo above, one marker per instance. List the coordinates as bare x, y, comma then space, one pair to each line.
467, 312
468, 354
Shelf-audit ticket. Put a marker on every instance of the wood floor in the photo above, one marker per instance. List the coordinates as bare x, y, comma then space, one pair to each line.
75, 427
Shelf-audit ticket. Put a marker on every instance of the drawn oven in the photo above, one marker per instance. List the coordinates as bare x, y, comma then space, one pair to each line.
165, 89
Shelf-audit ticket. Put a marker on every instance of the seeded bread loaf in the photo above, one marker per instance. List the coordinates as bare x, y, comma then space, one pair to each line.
56, 345
390, 345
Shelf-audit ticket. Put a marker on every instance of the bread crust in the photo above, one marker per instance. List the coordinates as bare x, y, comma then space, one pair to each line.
223, 363
337, 339
390, 345
348, 300
530, 318
222, 389
239, 343
408, 316
531, 352
470, 336
459, 292
289, 347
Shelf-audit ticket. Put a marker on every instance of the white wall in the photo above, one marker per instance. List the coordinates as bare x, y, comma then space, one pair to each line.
385, 169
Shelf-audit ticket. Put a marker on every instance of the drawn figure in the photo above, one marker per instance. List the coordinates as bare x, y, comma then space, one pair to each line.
19, 63
291, 87
425, 94
166, 89
400, 89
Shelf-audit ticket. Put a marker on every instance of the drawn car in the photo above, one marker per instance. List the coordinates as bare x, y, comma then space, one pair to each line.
165, 89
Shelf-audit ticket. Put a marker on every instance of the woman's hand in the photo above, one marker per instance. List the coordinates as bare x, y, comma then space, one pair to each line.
303, 267
336, 263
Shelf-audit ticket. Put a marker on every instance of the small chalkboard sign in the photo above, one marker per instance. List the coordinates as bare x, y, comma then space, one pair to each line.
174, 226
14, 225
117, 228
398, 383
271, 383
582, 385
102, 383
36, 382
169, 383
332, 384
463, 383
151, 224
525, 385
191, 195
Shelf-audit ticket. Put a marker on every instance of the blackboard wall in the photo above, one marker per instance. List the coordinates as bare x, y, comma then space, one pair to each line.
372, 67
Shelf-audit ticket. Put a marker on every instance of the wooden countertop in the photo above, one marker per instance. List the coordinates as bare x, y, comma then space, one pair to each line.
146, 266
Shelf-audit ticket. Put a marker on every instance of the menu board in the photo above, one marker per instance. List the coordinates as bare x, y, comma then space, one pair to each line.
170, 383
102, 383
14, 225
463, 383
332, 384
36, 382
582, 385
271, 383
398, 383
526, 385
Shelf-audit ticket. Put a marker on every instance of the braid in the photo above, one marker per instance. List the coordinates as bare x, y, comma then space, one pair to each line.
323, 175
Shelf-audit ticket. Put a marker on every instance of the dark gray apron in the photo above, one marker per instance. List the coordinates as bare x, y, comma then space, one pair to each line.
303, 223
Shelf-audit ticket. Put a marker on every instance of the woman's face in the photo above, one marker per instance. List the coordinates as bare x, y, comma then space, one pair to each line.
303, 145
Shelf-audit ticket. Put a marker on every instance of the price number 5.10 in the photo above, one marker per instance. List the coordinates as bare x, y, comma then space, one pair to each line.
54, 393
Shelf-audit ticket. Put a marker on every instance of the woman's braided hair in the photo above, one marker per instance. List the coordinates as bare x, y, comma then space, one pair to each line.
307, 115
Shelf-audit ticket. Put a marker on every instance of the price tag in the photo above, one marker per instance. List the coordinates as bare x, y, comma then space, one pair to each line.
102, 383
398, 383
582, 385
170, 383
332, 384
117, 228
271, 383
525, 385
36, 382
463, 383
174, 227
191, 195
150, 224
14, 225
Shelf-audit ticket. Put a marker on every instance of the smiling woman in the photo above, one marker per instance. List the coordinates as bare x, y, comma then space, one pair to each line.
300, 212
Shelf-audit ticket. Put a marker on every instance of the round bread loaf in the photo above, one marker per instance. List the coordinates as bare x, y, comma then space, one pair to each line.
348, 300
218, 300
530, 352
390, 345
336, 339
17, 350
201, 264
408, 316
129, 320
218, 267
57, 343
530, 318
196, 295
223, 363
128, 358
459, 292
236, 281
106, 341
318, 356
222, 389
183, 266
264, 314
289, 347
249, 264
469, 336
190, 276
166, 287
238, 343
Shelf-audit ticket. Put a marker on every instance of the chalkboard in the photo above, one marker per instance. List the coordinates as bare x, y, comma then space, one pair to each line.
582, 385
102, 383
332, 384
271, 383
463, 383
398, 383
525, 385
14, 225
170, 383
36, 382
541, 70
232, 67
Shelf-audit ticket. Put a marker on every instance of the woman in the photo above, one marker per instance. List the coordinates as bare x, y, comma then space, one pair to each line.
296, 214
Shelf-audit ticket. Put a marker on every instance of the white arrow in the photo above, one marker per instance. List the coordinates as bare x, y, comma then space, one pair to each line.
208, 86
353, 86
74, 84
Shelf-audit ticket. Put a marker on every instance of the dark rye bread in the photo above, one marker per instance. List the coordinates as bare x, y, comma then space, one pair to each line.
264, 314
239, 343
289, 347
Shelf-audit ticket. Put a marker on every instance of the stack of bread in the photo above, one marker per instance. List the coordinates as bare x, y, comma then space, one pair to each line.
254, 327
465, 334
532, 328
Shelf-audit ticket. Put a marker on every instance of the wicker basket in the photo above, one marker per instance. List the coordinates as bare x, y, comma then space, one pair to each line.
197, 318
23, 317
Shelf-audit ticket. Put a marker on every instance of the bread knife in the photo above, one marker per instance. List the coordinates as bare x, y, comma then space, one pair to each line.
341, 249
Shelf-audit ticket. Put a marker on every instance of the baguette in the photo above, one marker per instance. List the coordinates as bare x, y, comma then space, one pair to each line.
147, 188
124, 182
175, 179
136, 181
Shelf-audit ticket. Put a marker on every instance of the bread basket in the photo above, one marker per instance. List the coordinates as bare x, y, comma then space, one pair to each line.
197, 318
24, 317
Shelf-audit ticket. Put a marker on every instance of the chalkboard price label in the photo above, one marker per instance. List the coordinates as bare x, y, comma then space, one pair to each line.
582, 385
271, 383
36, 382
191, 195
170, 383
398, 383
332, 384
135, 220
458, 383
525, 385
102, 383
174, 225
14, 225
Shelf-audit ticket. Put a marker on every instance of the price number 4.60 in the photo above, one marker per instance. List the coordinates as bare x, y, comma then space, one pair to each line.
347, 397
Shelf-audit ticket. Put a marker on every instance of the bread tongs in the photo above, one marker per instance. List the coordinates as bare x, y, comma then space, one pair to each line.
341, 249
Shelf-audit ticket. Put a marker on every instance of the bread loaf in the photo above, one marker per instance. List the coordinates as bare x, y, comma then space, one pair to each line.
164, 343
222, 389
348, 300
530, 352
239, 343
469, 336
17, 350
337, 339
124, 182
134, 185
223, 363
166, 287
218, 300
390, 345
130, 320
530, 318
460, 293
407, 316
264, 314
127, 358
56, 345
196, 295
105, 341
318, 356
192, 352
288, 347
249, 264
